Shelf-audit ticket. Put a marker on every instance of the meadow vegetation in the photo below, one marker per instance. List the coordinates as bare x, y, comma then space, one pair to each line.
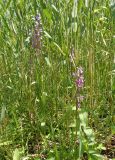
57, 79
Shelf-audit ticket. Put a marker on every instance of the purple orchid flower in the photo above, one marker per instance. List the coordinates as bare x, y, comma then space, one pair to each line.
79, 84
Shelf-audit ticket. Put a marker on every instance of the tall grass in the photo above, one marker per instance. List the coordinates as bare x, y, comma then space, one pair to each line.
39, 115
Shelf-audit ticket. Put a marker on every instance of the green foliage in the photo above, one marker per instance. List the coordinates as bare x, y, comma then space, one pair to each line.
39, 118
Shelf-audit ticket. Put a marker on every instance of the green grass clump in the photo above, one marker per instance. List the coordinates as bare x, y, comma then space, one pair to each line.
39, 117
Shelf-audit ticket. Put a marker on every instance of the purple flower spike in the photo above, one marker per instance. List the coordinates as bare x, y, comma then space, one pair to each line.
79, 85
37, 18
37, 33
80, 82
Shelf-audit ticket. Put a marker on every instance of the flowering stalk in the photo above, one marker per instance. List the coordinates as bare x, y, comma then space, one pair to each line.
37, 34
79, 79
79, 85
36, 41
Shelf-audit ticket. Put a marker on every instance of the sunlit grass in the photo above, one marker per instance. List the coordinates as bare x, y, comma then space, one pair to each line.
39, 115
